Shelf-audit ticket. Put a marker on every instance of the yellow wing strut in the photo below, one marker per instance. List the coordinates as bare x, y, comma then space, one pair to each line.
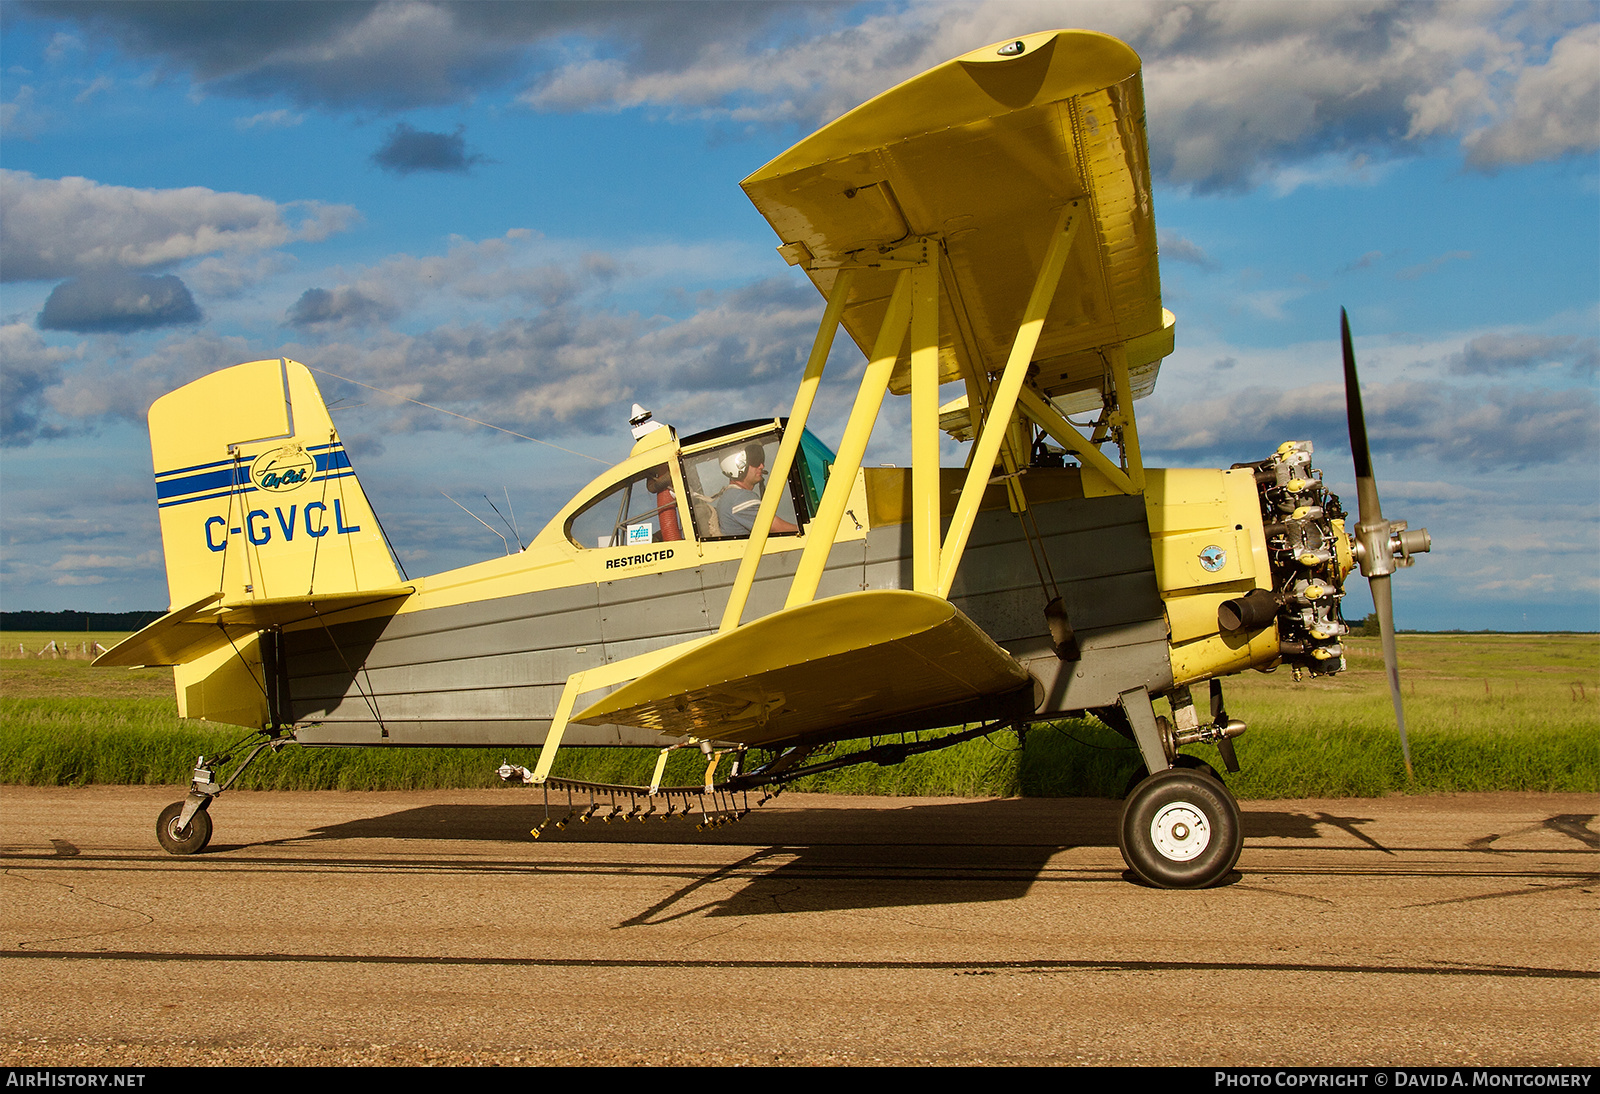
820, 348
869, 399
998, 419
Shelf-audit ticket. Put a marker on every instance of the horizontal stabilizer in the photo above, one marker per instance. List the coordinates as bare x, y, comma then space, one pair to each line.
866, 659
197, 629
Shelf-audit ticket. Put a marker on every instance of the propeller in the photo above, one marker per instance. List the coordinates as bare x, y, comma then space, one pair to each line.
1380, 546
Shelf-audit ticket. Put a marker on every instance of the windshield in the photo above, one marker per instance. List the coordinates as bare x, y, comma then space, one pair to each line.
724, 498
816, 460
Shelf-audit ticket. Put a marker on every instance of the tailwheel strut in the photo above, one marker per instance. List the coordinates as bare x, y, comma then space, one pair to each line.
184, 827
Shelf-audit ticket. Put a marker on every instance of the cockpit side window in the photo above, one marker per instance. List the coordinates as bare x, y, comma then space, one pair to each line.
643, 509
721, 502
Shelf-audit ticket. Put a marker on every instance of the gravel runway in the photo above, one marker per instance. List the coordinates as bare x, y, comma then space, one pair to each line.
428, 928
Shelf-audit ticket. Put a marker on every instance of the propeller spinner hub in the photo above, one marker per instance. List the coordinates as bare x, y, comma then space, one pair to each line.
1373, 548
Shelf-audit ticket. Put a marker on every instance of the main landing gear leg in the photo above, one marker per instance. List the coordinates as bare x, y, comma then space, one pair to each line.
184, 828
1180, 829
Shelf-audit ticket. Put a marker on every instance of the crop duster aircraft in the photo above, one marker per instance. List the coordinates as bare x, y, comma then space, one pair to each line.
988, 224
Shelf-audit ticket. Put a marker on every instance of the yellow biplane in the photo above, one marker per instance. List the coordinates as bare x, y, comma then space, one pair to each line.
748, 591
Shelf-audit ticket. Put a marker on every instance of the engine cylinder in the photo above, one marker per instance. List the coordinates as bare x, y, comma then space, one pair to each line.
1310, 550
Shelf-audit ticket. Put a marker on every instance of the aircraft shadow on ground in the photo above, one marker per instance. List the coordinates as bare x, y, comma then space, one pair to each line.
989, 825
1013, 822
806, 859
825, 878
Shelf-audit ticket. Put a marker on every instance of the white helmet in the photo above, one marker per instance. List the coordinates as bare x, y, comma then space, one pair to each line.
736, 463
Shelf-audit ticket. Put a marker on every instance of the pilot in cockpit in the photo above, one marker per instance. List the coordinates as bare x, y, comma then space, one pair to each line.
746, 469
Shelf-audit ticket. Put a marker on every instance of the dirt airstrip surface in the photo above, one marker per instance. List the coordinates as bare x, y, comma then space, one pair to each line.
326, 928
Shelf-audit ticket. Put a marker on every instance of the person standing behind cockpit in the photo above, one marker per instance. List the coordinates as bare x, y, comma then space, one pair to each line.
746, 470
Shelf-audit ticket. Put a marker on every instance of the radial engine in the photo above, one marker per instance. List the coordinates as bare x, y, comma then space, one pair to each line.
1311, 556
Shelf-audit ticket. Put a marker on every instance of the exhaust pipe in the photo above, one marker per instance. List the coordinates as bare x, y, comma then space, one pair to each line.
1250, 612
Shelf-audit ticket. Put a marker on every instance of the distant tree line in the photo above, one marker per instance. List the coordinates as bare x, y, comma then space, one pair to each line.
1367, 628
77, 621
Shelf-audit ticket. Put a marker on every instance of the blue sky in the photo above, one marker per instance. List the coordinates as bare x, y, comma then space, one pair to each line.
530, 214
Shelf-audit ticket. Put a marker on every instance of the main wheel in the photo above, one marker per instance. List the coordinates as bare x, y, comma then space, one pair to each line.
1180, 830
186, 841
1184, 760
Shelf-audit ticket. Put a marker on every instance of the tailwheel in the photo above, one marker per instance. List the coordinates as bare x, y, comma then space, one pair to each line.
1180, 830
183, 841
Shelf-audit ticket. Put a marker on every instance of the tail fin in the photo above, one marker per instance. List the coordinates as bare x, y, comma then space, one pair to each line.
257, 498
264, 527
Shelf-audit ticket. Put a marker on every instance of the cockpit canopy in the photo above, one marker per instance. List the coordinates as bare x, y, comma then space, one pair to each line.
685, 492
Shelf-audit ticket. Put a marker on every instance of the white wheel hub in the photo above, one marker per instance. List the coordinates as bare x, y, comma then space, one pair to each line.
1180, 832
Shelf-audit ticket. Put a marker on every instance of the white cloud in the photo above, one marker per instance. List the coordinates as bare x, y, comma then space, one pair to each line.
1479, 427
1268, 303
55, 228
507, 274
1366, 261
1498, 352
1329, 169
270, 119
61, 44
568, 365
1237, 92
30, 369
1175, 247
108, 386
230, 276
1433, 265
19, 118
105, 562
96, 86
1447, 107
1554, 108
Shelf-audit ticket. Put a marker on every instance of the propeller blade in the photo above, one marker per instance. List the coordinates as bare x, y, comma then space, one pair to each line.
1377, 541
1367, 507
1383, 601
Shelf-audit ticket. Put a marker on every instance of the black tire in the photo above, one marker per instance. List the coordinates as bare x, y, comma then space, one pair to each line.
1185, 761
1180, 830
190, 841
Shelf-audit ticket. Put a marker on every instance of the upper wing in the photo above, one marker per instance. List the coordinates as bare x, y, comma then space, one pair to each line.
982, 152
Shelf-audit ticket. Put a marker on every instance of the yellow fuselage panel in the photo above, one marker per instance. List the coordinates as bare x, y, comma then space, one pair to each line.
1209, 547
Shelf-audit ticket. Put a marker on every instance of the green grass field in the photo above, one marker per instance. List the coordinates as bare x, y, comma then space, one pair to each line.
1485, 712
